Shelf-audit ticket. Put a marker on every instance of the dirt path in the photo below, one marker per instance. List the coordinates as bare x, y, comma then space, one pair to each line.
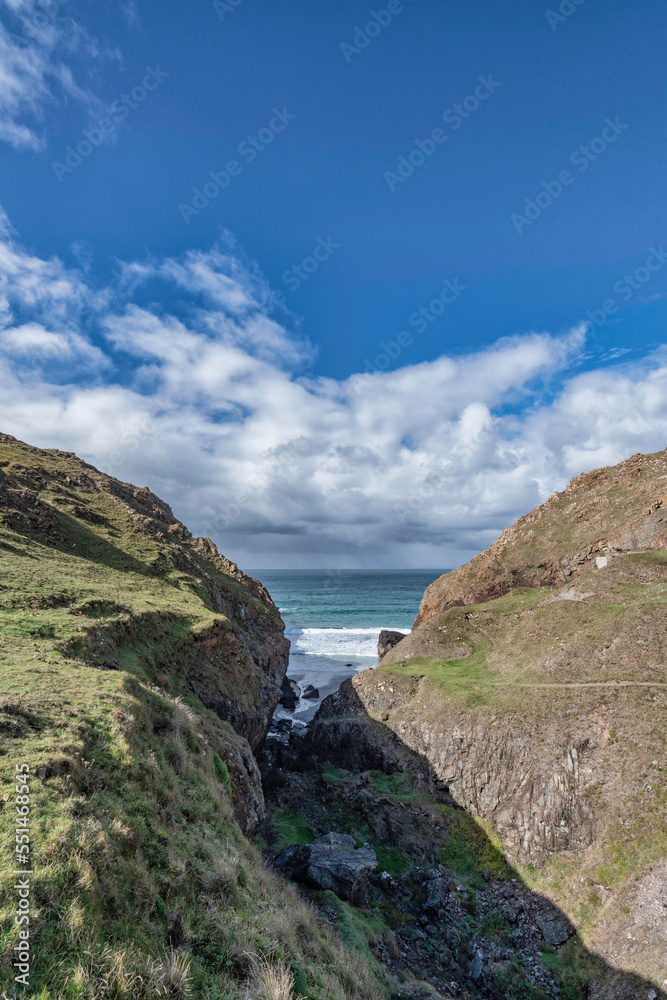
584, 684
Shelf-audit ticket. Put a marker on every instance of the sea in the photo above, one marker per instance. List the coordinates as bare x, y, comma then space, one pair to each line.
333, 619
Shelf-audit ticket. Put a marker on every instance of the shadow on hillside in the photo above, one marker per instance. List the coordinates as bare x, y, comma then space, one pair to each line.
345, 736
79, 540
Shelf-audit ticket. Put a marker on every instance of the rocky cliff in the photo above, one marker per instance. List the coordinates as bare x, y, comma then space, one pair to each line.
533, 690
219, 626
139, 669
609, 510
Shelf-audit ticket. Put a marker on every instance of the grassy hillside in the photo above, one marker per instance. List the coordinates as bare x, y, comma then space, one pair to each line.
544, 709
621, 508
119, 636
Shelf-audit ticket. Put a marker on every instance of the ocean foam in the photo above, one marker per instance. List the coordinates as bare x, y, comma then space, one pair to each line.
335, 641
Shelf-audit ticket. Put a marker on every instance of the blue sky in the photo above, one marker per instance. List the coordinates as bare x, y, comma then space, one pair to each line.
465, 199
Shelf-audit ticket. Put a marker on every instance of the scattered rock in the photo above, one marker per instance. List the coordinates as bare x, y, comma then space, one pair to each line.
438, 888
311, 692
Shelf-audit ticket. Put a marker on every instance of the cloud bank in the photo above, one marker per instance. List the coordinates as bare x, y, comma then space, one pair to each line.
211, 405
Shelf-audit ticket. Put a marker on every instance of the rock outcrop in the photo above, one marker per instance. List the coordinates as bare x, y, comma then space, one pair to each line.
220, 638
234, 662
387, 640
532, 788
622, 508
533, 687
290, 693
331, 862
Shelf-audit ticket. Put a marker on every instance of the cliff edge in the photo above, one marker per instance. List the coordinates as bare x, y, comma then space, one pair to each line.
621, 508
139, 669
534, 685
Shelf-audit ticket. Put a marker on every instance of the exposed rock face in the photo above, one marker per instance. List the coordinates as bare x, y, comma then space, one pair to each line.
290, 693
342, 734
245, 782
227, 646
531, 791
236, 663
622, 508
331, 862
387, 640
534, 686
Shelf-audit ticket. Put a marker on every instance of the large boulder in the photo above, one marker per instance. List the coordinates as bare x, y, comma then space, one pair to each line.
331, 862
387, 640
555, 926
289, 694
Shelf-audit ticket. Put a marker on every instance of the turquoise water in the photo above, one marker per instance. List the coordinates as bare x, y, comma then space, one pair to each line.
333, 619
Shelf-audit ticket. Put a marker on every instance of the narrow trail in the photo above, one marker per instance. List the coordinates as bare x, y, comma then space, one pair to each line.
583, 684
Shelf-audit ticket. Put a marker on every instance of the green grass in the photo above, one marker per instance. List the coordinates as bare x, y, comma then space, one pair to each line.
396, 787
471, 847
290, 828
222, 773
390, 859
574, 968
331, 773
359, 929
464, 679
656, 556
143, 883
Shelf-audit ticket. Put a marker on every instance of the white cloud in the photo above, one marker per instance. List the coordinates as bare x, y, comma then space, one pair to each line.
210, 408
33, 76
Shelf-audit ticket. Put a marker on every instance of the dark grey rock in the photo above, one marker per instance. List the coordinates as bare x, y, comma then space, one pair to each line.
476, 967
437, 890
331, 862
311, 692
556, 928
290, 694
509, 912
388, 639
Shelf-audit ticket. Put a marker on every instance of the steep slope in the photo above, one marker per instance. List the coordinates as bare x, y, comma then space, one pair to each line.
138, 671
536, 690
615, 509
